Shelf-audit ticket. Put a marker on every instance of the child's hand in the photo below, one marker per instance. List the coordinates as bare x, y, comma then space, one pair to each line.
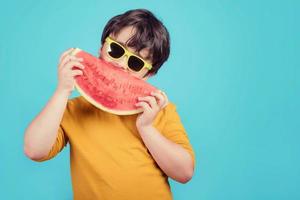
151, 106
66, 72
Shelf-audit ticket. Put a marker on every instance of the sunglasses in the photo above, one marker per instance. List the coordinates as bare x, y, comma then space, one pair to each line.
117, 51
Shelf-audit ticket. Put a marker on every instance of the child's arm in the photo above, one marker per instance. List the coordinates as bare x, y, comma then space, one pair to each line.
172, 158
40, 135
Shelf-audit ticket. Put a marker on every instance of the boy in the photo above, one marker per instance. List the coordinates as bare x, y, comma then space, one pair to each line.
116, 157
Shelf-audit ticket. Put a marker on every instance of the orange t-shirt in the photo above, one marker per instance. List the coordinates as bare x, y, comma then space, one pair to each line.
109, 160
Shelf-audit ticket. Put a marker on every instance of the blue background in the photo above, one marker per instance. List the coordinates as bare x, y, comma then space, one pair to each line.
233, 73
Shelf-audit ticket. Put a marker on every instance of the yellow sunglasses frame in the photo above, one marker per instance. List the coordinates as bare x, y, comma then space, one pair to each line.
128, 54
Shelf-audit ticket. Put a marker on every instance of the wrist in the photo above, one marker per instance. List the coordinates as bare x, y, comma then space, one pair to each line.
144, 128
62, 91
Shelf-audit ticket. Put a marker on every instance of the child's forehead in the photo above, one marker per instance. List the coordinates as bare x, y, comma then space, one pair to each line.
124, 35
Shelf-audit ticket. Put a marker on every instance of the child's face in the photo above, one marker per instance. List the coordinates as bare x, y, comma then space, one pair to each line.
124, 35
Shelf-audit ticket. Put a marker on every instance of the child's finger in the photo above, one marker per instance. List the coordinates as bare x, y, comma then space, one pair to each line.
72, 64
69, 58
65, 53
76, 72
64, 61
145, 106
166, 99
161, 99
150, 100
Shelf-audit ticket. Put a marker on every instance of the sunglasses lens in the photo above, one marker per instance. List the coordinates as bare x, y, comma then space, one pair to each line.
116, 51
135, 63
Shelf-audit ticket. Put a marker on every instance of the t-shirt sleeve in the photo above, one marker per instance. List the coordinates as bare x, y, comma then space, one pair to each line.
61, 137
60, 142
175, 131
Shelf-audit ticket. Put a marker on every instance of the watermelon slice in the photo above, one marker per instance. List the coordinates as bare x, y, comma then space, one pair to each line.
109, 87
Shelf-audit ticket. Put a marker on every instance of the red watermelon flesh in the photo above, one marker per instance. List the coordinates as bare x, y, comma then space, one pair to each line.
109, 87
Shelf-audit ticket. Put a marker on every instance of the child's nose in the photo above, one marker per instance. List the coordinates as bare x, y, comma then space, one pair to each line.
123, 62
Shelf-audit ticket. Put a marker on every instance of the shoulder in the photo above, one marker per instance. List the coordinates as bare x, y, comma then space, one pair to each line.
78, 105
76, 101
169, 109
166, 113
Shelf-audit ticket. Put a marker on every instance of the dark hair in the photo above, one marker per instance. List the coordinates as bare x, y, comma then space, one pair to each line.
150, 33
